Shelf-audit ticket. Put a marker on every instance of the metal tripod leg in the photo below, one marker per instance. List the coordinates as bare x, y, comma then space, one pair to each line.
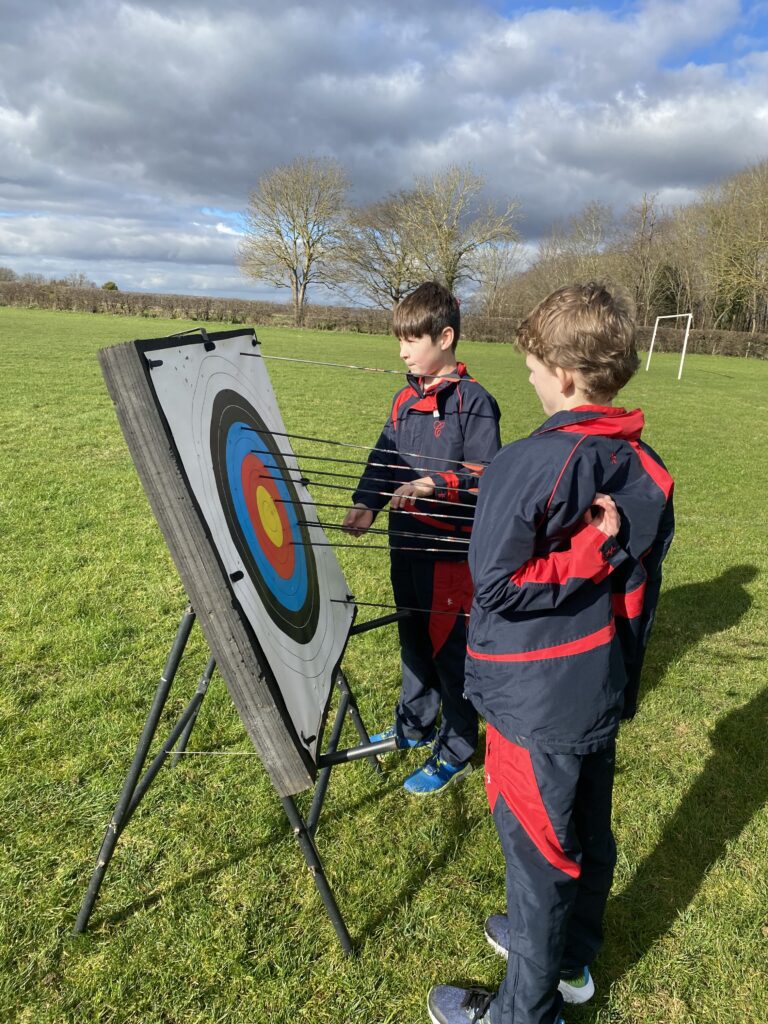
324, 775
316, 867
118, 819
202, 689
354, 714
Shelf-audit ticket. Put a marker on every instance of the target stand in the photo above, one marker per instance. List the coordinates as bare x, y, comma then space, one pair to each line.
209, 445
136, 785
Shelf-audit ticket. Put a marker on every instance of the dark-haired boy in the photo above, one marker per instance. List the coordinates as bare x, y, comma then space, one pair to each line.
572, 526
442, 430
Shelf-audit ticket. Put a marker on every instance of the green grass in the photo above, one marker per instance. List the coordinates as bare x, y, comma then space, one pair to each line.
208, 913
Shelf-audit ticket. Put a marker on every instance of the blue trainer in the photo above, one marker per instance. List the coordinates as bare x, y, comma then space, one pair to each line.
403, 742
578, 989
447, 1004
435, 776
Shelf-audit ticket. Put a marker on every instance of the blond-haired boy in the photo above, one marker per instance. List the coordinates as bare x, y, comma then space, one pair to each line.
571, 529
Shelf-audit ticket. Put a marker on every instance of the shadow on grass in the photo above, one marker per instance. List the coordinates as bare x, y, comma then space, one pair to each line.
453, 817
688, 613
277, 826
107, 923
731, 788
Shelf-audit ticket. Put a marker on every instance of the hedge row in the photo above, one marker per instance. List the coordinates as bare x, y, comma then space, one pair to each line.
329, 318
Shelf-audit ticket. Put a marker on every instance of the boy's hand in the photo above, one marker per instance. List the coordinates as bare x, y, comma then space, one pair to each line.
604, 515
406, 494
357, 520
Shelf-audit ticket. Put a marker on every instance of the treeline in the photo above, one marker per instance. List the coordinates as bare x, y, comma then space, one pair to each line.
355, 319
709, 258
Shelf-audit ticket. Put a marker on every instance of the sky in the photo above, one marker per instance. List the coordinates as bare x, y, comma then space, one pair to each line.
131, 134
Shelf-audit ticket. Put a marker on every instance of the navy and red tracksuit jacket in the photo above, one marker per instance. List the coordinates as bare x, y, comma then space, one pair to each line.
449, 433
562, 614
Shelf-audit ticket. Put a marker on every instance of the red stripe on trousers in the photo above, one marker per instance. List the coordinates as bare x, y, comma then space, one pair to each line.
509, 772
451, 592
629, 606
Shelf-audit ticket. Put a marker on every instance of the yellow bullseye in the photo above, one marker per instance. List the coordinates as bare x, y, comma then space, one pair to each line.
269, 516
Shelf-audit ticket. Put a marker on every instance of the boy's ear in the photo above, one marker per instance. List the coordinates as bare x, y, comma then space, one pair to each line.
565, 377
445, 340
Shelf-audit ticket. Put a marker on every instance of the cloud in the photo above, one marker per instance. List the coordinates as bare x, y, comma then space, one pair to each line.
117, 238
135, 131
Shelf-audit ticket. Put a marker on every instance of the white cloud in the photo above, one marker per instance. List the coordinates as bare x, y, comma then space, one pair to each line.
113, 238
129, 130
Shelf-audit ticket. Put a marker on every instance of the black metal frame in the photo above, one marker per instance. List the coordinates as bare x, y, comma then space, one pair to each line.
136, 785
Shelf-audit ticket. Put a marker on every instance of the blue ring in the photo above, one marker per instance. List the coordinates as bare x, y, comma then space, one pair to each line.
242, 440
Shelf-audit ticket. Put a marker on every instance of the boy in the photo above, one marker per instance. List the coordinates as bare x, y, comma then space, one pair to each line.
443, 429
572, 526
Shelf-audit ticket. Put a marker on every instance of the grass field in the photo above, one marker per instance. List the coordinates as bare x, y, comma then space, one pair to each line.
208, 913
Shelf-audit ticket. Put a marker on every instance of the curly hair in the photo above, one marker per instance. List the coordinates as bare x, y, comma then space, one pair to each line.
584, 328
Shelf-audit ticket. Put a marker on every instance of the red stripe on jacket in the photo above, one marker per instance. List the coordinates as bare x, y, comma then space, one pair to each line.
580, 646
656, 472
451, 485
509, 772
437, 524
560, 477
401, 399
610, 421
582, 560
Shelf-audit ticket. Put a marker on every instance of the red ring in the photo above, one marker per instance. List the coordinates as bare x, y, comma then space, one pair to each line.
254, 474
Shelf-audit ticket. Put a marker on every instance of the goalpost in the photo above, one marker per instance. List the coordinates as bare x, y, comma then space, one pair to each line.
672, 316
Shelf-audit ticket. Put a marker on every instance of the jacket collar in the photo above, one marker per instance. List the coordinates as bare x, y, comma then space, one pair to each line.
417, 383
605, 420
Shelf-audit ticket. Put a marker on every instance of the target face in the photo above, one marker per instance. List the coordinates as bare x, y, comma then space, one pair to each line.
263, 511
231, 442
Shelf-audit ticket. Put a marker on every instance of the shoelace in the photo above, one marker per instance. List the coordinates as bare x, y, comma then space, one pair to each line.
478, 1000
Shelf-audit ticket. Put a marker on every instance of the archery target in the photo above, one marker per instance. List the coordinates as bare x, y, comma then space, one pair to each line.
263, 511
223, 417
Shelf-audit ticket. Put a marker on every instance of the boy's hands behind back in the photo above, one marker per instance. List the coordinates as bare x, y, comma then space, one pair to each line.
604, 515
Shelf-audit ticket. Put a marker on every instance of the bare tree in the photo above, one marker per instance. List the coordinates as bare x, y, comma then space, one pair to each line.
642, 254
294, 220
576, 251
448, 225
743, 200
588, 240
77, 279
498, 267
375, 259
716, 253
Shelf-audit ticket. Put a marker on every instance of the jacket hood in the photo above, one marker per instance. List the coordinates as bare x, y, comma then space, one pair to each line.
605, 420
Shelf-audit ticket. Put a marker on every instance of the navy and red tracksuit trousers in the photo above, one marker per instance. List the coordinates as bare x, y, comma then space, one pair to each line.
433, 644
553, 816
